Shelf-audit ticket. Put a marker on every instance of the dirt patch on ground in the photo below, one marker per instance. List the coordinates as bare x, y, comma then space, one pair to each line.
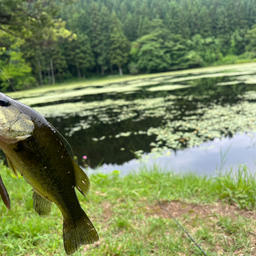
178, 209
107, 211
206, 223
208, 216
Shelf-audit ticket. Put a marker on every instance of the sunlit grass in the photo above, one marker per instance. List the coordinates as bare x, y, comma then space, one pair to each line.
127, 215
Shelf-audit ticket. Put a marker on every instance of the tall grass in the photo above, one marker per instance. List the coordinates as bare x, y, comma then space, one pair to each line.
236, 186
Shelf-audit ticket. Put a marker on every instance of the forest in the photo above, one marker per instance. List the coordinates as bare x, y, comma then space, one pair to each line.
47, 42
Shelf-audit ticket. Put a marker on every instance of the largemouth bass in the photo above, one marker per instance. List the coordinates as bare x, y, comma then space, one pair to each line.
34, 148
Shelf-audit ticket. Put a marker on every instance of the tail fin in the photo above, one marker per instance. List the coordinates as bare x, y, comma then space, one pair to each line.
79, 233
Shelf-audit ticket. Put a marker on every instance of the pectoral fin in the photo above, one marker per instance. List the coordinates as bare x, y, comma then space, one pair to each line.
82, 180
41, 205
12, 166
4, 194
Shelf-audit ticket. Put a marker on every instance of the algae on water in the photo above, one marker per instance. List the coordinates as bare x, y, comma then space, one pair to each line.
179, 109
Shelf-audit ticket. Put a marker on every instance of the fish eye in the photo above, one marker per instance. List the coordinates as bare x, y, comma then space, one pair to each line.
5, 103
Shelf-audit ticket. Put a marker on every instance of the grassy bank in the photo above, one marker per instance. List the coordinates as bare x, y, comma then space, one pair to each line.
218, 212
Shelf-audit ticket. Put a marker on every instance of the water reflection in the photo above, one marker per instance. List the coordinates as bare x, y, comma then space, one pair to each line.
110, 150
205, 159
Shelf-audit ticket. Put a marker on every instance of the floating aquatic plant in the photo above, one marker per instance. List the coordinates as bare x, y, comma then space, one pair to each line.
179, 109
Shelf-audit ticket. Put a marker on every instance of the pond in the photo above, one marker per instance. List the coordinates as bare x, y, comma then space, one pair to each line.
182, 120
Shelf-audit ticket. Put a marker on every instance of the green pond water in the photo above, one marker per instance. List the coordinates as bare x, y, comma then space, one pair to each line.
180, 120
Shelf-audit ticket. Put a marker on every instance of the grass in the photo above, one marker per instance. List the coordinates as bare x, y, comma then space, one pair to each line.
217, 211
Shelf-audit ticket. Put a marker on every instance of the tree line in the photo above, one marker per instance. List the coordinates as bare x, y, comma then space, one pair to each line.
44, 42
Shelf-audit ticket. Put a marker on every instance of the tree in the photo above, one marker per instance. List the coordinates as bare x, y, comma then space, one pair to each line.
158, 8
31, 20
80, 55
177, 48
152, 57
251, 36
208, 48
183, 27
172, 18
194, 9
193, 59
16, 71
119, 45
58, 62
250, 12
130, 28
151, 52
34, 56
77, 17
205, 22
191, 33
144, 26
34, 25
238, 42
95, 30
123, 12
104, 44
